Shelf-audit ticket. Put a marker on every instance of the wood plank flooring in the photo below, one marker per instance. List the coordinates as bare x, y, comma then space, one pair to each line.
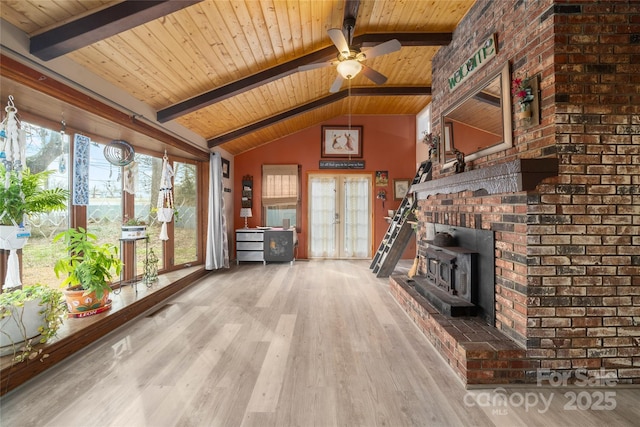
316, 343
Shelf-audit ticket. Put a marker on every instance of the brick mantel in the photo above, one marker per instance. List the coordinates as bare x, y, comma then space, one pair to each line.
510, 177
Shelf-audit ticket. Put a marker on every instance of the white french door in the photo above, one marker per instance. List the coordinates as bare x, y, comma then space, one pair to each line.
340, 216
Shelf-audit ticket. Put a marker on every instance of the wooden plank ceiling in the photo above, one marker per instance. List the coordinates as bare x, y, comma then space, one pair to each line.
227, 70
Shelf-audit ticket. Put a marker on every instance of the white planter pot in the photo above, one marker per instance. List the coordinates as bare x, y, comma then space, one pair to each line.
12, 332
134, 231
13, 237
165, 214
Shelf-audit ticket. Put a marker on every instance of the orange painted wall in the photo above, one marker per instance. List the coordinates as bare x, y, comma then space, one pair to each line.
388, 144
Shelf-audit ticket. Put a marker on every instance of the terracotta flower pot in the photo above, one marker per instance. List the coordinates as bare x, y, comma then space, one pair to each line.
81, 305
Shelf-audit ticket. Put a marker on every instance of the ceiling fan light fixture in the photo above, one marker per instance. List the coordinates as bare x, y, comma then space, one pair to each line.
349, 69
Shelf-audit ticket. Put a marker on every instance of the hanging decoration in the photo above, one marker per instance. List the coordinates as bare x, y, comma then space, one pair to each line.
12, 154
13, 157
165, 197
119, 152
81, 151
130, 180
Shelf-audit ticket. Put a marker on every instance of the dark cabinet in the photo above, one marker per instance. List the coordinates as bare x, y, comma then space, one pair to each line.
279, 245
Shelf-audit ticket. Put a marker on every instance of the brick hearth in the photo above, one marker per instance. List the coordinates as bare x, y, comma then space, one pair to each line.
478, 353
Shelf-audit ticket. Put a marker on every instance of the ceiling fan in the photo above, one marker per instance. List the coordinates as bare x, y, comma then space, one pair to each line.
349, 60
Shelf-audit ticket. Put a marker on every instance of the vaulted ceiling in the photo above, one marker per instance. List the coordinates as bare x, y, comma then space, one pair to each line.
228, 70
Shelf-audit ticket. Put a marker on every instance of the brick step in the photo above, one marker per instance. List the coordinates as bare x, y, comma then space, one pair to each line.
477, 352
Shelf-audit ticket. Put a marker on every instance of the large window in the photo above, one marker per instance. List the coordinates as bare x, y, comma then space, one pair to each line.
46, 149
145, 175
104, 213
115, 194
280, 184
185, 197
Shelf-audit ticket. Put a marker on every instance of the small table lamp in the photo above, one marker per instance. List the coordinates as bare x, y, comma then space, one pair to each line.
245, 213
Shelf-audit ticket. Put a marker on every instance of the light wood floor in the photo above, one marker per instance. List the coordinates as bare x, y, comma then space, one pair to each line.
318, 343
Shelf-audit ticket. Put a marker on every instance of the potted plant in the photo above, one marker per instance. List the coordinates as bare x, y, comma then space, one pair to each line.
521, 90
26, 313
89, 267
24, 196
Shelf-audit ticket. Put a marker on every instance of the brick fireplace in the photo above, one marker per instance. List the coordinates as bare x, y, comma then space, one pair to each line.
486, 348
567, 246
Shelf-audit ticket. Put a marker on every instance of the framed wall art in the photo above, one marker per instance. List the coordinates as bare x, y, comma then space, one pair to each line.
341, 141
382, 178
226, 165
400, 188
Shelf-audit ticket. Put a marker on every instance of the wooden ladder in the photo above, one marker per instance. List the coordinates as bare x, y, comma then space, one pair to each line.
400, 229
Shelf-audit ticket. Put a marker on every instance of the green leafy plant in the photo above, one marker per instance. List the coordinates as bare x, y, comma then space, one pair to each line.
133, 221
52, 308
89, 266
28, 196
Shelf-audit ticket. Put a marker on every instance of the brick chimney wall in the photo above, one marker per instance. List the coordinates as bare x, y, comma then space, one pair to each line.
567, 254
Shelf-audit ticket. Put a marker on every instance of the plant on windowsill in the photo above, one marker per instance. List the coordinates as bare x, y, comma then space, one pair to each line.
521, 91
89, 267
26, 313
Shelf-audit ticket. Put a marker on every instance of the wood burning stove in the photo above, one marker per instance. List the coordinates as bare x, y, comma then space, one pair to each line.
454, 270
458, 277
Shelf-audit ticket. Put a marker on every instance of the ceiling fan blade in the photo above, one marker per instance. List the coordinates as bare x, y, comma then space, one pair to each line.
337, 84
383, 48
338, 39
373, 75
314, 66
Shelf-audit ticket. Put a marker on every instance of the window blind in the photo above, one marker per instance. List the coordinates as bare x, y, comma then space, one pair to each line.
279, 185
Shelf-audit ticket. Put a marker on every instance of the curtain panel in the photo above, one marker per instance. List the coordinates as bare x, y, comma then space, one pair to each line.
217, 247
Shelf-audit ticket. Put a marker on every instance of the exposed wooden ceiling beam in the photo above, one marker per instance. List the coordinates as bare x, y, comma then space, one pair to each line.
351, 8
362, 91
100, 25
279, 71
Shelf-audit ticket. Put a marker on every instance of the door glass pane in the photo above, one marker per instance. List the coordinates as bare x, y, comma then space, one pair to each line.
147, 171
356, 217
322, 216
185, 200
46, 149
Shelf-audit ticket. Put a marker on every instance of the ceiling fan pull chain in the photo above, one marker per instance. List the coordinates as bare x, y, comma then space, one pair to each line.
349, 96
